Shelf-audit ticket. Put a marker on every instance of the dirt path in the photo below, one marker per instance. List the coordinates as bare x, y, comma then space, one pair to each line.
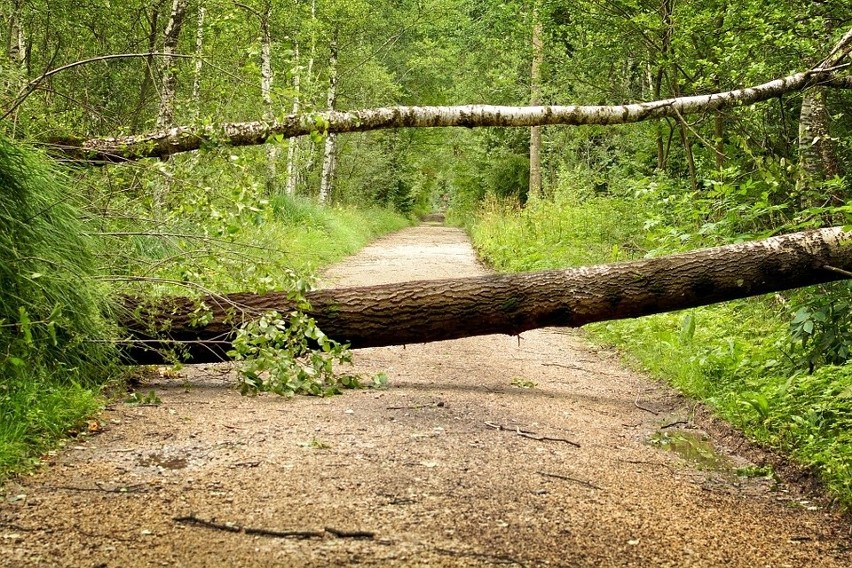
455, 464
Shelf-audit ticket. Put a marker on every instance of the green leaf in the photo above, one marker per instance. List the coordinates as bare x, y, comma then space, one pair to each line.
24, 322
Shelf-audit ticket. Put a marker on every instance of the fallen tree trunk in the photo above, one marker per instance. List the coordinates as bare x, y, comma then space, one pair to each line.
434, 310
166, 142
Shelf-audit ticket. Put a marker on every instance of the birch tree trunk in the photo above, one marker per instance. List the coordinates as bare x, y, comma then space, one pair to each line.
329, 161
16, 47
423, 311
199, 62
166, 115
266, 92
719, 117
817, 157
535, 100
293, 144
165, 142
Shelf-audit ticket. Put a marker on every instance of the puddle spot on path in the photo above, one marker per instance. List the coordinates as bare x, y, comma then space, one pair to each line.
694, 447
158, 460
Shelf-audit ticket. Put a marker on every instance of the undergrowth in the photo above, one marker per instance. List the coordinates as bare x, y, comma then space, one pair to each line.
757, 362
54, 352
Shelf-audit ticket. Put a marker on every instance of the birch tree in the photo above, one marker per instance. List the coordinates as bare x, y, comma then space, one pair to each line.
166, 115
188, 138
199, 61
535, 100
329, 154
293, 144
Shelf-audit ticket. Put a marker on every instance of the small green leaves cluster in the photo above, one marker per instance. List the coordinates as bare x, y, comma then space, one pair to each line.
821, 328
288, 355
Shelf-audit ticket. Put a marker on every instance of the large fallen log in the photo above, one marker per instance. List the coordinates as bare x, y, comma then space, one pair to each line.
434, 310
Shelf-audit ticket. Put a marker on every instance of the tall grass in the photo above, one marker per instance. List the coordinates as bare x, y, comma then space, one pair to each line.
52, 313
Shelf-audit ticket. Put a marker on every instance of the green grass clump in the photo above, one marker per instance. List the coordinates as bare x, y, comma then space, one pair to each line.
546, 234
52, 319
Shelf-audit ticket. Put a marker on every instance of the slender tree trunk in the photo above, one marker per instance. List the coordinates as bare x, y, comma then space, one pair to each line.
16, 47
293, 144
667, 10
719, 139
660, 129
423, 311
690, 156
166, 116
817, 156
148, 73
199, 62
266, 93
667, 30
329, 162
310, 69
535, 100
719, 117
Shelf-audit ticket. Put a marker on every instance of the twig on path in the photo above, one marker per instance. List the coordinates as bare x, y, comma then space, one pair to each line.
438, 404
562, 366
571, 479
531, 435
584, 369
304, 535
490, 558
645, 408
15, 527
673, 424
137, 488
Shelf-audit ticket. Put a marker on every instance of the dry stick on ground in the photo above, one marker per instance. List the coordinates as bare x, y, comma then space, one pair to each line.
571, 479
491, 559
137, 488
531, 435
438, 404
193, 520
645, 408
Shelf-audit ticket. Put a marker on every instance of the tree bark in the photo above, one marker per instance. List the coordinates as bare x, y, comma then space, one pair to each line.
16, 46
424, 311
266, 93
535, 100
199, 62
329, 161
293, 145
817, 157
166, 116
170, 141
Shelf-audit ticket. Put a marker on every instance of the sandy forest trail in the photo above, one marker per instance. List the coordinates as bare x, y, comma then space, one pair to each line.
456, 463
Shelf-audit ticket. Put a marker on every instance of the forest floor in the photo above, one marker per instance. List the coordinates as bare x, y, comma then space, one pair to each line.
486, 451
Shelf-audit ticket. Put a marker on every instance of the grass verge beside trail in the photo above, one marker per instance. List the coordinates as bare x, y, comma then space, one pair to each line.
737, 357
53, 314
